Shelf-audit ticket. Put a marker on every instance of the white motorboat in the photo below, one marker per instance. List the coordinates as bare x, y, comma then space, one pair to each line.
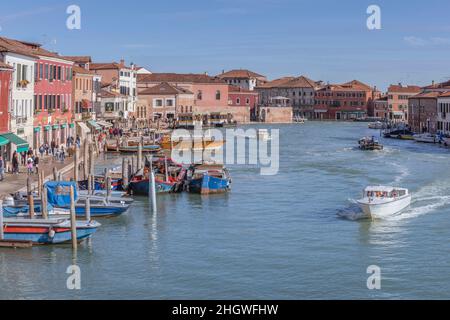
426, 138
376, 125
263, 135
382, 201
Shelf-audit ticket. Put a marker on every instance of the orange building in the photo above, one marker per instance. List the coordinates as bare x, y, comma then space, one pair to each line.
348, 101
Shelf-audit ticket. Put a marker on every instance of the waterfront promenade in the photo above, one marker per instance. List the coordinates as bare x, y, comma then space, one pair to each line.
18, 182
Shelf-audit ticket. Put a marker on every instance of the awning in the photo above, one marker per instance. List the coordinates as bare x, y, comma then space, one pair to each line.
72, 125
48, 128
84, 128
55, 127
63, 126
3, 141
94, 125
37, 129
105, 124
22, 145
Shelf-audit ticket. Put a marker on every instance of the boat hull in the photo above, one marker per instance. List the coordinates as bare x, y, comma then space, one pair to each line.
142, 187
209, 185
384, 210
41, 235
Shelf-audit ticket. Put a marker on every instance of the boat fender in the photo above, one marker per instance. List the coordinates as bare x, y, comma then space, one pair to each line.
51, 233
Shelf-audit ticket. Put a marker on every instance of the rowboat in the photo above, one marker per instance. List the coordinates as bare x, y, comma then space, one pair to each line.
208, 179
50, 231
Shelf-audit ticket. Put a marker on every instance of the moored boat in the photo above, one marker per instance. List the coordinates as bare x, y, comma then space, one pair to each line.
50, 231
169, 177
426, 138
376, 125
384, 201
209, 179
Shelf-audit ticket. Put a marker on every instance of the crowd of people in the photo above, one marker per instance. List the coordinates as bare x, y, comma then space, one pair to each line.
31, 159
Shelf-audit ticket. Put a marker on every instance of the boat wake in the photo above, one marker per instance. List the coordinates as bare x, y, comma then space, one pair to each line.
353, 212
403, 173
427, 200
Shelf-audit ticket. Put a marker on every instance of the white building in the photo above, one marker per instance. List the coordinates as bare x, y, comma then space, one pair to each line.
22, 102
244, 79
443, 114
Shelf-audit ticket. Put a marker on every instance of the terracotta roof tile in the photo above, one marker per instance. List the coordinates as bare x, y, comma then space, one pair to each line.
78, 59
164, 89
242, 74
5, 66
404, 89
77, 69
177, 78
426, 95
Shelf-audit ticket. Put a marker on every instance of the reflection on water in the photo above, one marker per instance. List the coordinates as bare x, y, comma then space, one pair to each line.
295, 235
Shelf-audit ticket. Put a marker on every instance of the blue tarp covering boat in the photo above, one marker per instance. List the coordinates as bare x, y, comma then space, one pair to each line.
58, 193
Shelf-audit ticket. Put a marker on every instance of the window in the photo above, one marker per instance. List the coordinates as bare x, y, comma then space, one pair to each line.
238, 101
41, 71
199, 95
218, 95
158, 103
59, 73
169, 103
247, 101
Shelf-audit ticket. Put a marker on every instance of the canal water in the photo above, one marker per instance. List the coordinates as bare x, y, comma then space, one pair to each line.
295, 235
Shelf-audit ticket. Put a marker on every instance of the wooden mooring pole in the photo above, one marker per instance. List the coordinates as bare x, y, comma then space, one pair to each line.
108, 187
139, 156
86, 159
91, 160
73, 219
75, 165
30, 198
125, 174
55, 174
88, 209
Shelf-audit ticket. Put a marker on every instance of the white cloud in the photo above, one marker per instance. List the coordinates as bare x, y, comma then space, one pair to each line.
422, 42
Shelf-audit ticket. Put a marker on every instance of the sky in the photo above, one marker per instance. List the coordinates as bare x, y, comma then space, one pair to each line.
324, 40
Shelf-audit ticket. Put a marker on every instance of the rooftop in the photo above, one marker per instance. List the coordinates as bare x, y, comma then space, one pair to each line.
404, 89
240, 74
178, 78
5, 66
164, 89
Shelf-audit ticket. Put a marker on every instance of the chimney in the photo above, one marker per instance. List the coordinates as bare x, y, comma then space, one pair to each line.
206, 73
223, 71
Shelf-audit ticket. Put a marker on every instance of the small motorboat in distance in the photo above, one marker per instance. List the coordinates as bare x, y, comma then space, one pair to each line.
426, 138
367, 143
376, 125
383, 201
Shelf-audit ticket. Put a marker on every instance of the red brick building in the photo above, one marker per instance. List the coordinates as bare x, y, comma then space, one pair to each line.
351, 100
5, 96
239, 97
423, 112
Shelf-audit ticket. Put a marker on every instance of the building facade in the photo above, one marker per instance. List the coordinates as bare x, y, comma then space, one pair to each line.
398, 96
423, 110
245, 79
299, 90
381, 108
52, 100
348, 101
5, 96
443, 113
243, 98
22, 88
122, 80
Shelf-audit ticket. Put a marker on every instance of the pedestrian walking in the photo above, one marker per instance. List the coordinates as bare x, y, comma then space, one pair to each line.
30, 166
36, 163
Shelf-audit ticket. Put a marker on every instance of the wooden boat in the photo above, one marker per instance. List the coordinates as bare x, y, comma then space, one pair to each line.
191, 143
100, 184
367, 143
209, 179
169, 177
50, 231
58, 197
403, 134
134, 149
426, 138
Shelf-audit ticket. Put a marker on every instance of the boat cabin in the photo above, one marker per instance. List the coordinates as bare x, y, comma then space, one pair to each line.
384, 192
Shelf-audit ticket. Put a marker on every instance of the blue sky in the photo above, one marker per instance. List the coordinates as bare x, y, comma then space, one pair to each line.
324, 40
